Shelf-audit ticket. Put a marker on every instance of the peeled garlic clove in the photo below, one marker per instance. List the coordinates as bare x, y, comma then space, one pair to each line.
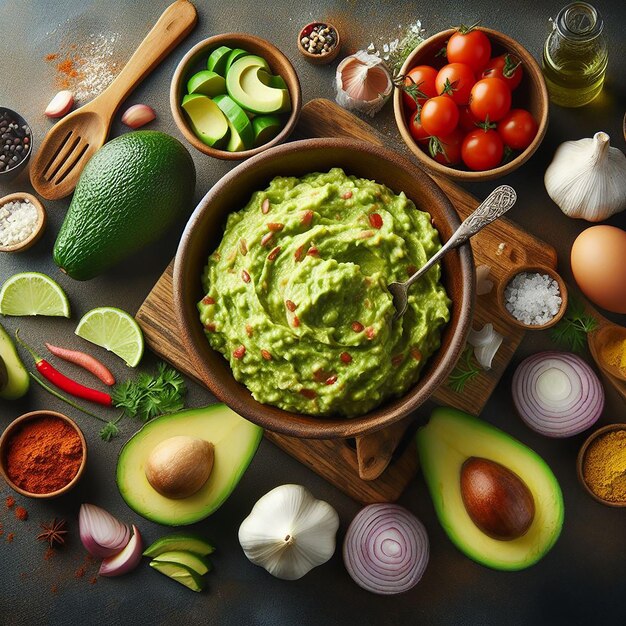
363, 83
483, 284
60, 105
587, 178
486, 343
138, 115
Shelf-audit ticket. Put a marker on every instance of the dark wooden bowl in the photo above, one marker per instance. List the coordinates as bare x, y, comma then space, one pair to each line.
204, 232
532, 95
196, 59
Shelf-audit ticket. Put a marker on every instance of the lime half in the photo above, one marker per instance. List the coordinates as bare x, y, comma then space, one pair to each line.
32, 293
114, 330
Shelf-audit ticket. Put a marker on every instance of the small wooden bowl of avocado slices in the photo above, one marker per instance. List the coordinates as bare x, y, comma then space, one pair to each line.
235, 95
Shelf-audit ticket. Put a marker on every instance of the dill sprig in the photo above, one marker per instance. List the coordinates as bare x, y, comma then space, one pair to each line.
571, 332
466, 369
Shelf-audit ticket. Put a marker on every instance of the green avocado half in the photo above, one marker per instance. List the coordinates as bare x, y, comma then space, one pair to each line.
14, 380
235, 442
444, 444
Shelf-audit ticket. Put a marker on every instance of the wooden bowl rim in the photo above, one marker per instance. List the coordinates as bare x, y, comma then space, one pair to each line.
532, 268
32, 239
318, 59
32, 415
580, 460
538, 83
307, 426
239, 40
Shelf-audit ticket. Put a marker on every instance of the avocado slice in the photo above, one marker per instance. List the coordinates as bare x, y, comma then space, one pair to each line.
14, 379
180, 541
235, 54
238, 121
235, 442
246, 88
273, 80
206, 83
265, 128
449, 439
207, 120
217, 60
181, 574
199, 564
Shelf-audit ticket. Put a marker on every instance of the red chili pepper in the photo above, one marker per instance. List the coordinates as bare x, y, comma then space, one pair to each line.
63, 382
84, 360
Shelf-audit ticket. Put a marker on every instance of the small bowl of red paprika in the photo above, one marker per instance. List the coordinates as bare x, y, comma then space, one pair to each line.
479, 104
42, 454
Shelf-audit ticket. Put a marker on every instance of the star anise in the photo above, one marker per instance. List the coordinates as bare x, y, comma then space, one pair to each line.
53, 532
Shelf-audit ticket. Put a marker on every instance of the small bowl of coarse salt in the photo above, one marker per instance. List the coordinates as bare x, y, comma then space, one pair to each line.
533, 297
22, 221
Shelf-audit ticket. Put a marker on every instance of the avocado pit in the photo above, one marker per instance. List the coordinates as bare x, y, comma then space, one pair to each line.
179, 466
496, 499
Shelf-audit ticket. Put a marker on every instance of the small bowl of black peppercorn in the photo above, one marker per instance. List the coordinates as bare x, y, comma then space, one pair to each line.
319, 43
16, 144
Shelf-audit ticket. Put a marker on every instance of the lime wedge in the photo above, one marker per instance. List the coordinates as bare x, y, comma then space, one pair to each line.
32, 293
114, 330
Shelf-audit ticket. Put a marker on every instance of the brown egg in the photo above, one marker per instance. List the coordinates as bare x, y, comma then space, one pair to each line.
599, 266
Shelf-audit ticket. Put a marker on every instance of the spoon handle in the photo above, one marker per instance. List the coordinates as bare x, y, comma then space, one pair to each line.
175, 23
497, 203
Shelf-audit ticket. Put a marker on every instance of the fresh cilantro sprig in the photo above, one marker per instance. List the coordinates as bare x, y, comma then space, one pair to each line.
571, 332
149, 396
466, 369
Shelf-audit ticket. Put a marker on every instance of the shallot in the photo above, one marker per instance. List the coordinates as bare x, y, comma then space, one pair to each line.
138, 115
60, 105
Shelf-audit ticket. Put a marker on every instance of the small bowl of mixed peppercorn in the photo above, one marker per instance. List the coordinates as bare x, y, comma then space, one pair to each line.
319, 43
16, 144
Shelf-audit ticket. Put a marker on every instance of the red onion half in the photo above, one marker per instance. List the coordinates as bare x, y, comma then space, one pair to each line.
386, 549
126, 560
557, 394
102, 534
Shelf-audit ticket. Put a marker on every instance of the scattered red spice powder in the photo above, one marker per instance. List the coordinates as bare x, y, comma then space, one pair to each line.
10, 502
1, 530
54, 589
10, 537
51, 57
49, 553
21, 513
93, 580
80, 572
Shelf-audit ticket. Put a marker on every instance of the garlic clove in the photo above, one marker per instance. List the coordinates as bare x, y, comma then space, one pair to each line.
483, 284
486, 343
60, 105
138, 115
587, 178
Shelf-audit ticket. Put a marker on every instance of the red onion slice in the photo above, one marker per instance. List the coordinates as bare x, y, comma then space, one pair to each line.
386, 549
557, 394
102, 534
126, 560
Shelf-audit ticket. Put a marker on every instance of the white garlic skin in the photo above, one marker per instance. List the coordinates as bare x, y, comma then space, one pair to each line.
587, 178
289, 532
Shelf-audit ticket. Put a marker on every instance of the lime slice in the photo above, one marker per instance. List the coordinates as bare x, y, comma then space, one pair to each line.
114, 330
32, 293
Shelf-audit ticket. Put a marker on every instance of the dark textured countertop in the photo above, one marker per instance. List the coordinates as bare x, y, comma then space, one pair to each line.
581, 581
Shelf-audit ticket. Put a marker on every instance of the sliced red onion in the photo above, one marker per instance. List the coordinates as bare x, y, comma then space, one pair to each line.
386, 549
126, 560
557, 394
102, 534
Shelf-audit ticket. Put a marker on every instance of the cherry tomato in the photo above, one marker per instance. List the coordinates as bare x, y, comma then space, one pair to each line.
482, 150
416, 129
439, 116
467, 121
470, 47
517, 129
491, 98
447, 150
422, 78
506, 67
455, 80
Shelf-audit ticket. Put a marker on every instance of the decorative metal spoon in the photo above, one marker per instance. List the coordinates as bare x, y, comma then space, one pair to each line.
497, 203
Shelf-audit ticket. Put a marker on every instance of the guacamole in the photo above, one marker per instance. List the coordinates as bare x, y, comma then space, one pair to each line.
297, 300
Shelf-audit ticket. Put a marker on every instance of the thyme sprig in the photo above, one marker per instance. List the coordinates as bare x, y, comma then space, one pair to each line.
466, 369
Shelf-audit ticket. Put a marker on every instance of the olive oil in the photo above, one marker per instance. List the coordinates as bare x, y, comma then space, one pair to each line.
575, 56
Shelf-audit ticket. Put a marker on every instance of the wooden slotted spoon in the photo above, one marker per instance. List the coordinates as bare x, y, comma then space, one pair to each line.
71, 142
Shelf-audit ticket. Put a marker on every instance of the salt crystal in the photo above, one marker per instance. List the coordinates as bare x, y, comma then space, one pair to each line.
17, 222
532, 298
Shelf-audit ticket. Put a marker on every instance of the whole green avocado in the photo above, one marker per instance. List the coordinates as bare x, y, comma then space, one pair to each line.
130, 193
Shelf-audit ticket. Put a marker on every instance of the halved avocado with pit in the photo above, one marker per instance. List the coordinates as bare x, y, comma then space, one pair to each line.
444, 445
235, 442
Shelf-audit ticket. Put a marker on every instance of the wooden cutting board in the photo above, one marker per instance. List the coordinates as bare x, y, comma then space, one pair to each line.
502, 245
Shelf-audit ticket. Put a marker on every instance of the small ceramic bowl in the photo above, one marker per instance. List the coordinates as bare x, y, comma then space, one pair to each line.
196, 59
531, 269
10, 174
18, 423
32, 239
319, 59
580, 462
531, 95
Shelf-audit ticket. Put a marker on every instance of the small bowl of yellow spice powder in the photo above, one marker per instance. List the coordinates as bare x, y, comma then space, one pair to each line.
602, 465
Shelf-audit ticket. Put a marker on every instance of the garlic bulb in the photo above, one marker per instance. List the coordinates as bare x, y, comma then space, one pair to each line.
587, 178
363, 83
289, 532
486, 343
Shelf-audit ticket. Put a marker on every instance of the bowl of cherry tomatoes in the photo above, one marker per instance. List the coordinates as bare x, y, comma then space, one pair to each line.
473, 104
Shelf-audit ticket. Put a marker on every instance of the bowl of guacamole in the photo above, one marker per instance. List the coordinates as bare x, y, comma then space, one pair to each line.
280, 287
